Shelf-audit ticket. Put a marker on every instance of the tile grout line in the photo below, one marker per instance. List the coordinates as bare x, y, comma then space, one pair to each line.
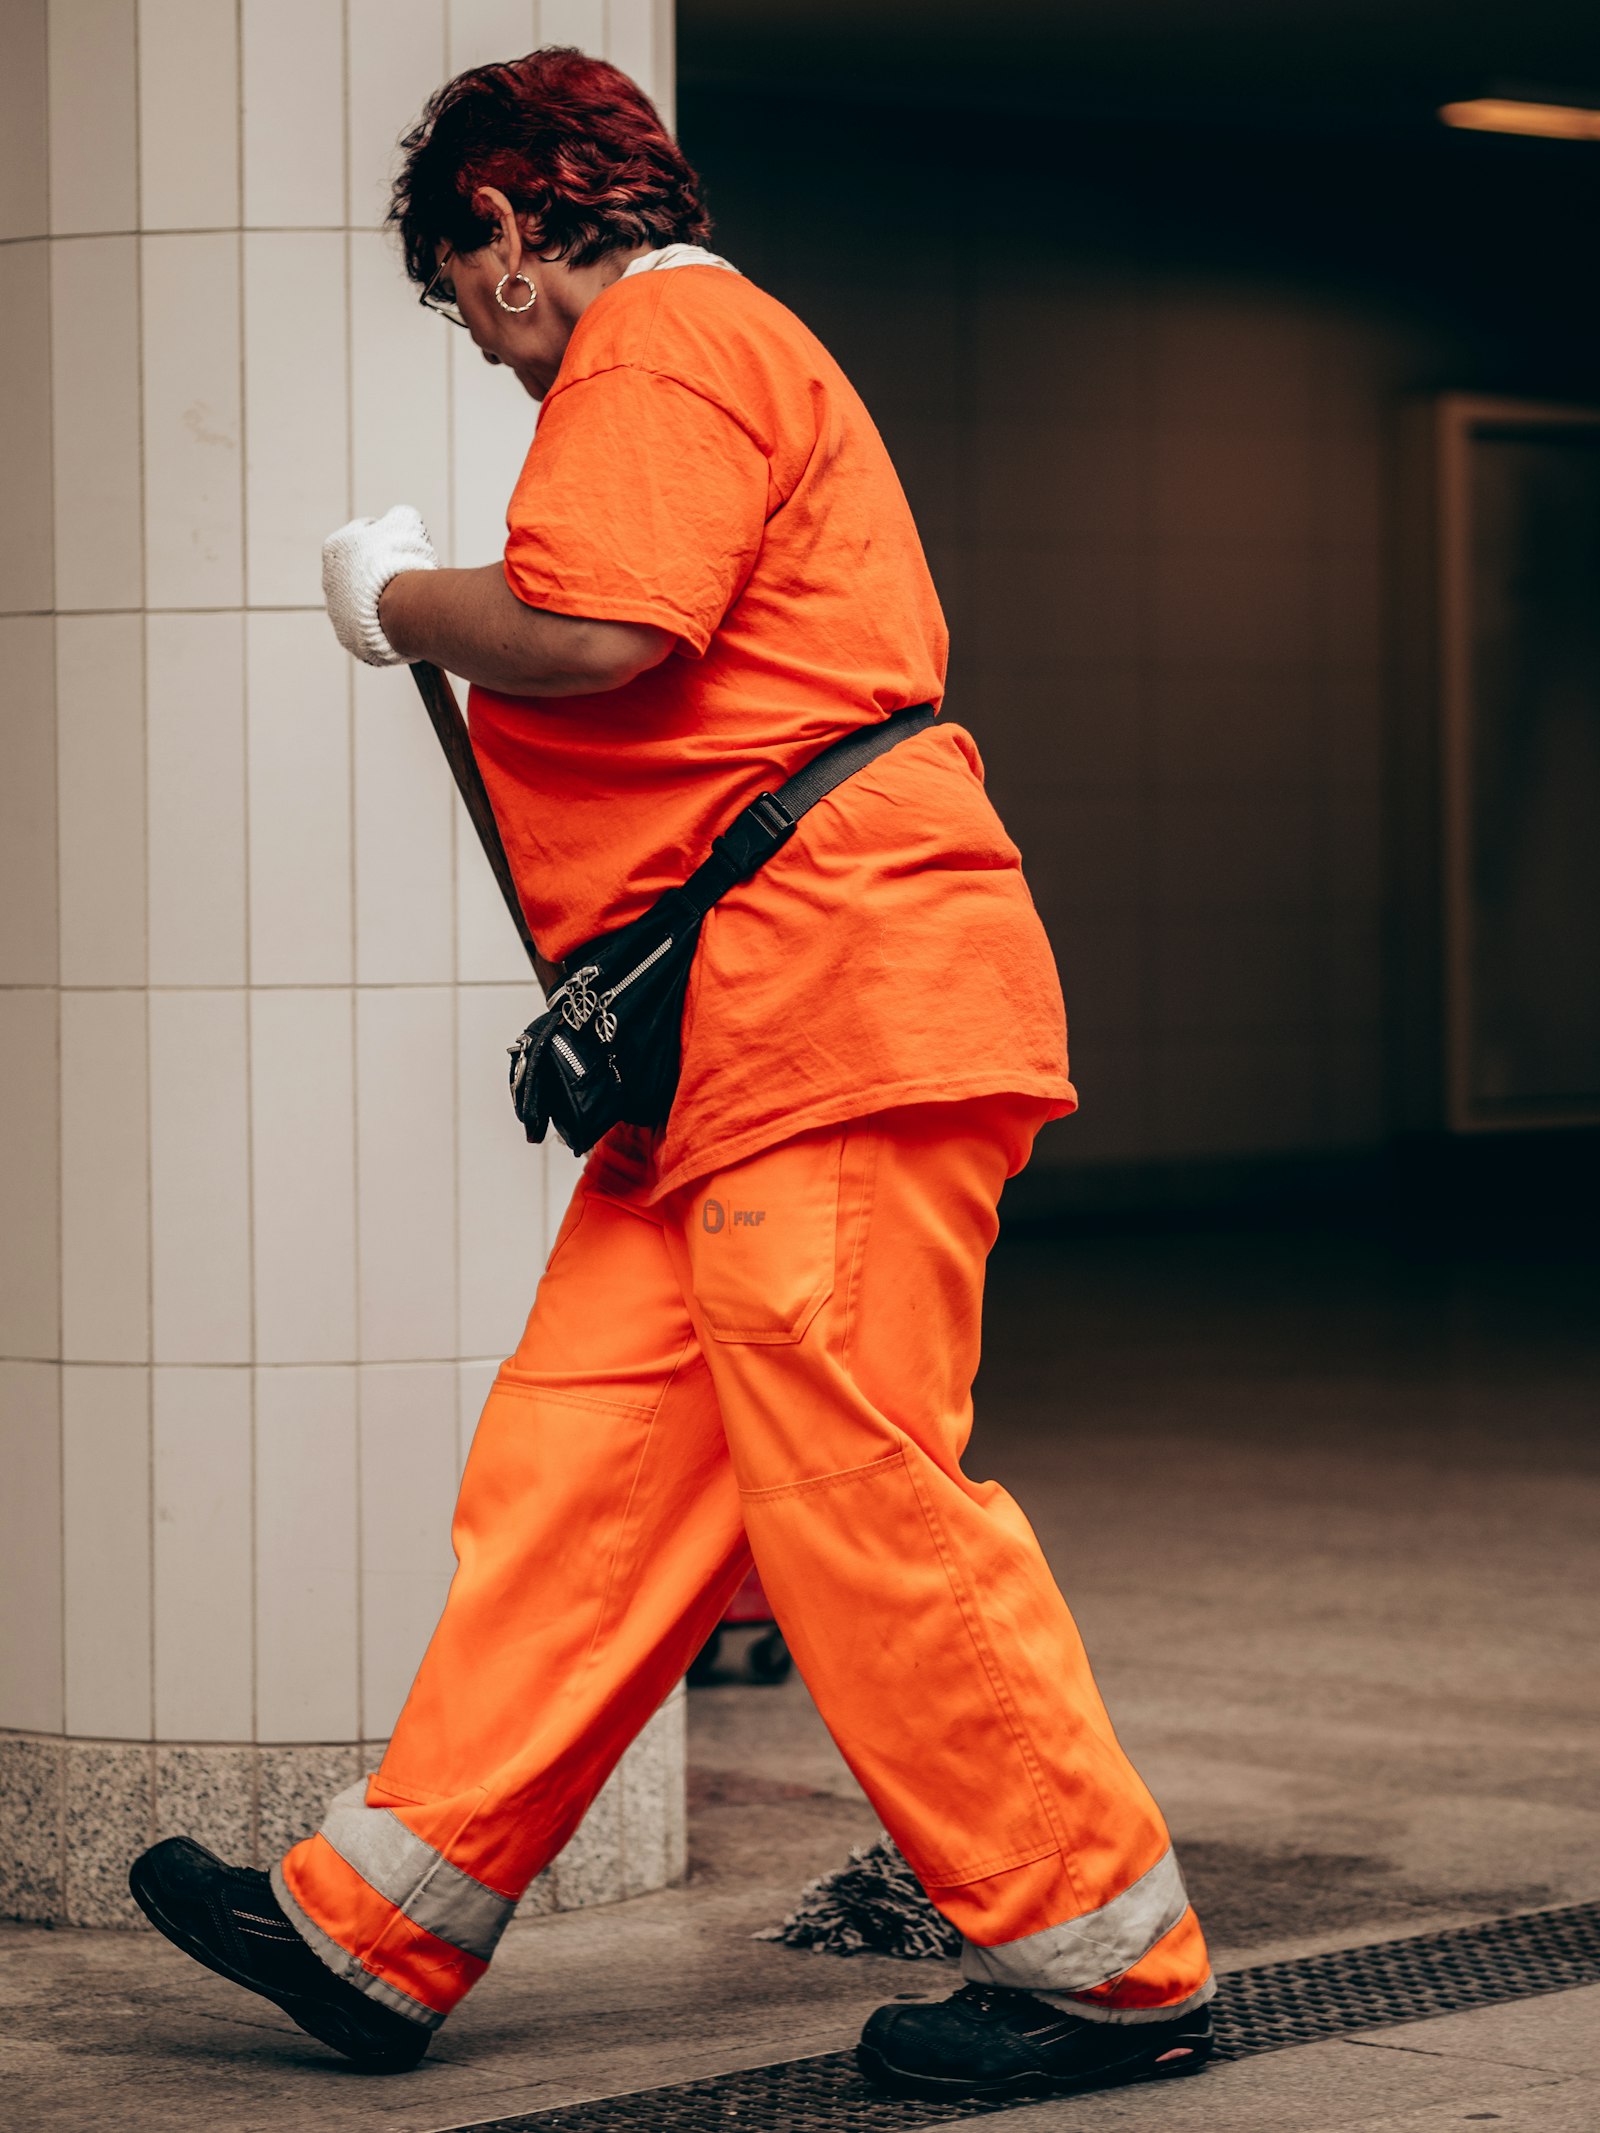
286, 985
457, 1210
252, 1659
336, 1362
359, 1379
216, 607
199, 229
60, 1788
144, 736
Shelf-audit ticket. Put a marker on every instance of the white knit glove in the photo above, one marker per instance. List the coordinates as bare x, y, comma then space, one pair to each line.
357, 563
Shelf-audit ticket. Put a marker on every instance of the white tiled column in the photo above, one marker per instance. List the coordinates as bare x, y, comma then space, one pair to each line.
269, 1220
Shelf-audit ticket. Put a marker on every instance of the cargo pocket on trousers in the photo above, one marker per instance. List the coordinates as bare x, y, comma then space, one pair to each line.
761, 1240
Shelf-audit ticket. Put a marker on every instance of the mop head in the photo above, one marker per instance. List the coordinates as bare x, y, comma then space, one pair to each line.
872, 1906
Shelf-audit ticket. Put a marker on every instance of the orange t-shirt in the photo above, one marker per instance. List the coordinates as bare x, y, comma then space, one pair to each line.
702, 463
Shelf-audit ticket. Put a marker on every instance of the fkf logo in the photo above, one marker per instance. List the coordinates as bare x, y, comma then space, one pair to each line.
714, 1216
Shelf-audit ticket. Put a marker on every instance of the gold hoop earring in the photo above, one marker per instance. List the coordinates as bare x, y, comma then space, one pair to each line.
515, 309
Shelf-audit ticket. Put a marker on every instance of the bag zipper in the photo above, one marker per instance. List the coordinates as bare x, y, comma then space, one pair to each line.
559, 1043
637, 971
605, 1022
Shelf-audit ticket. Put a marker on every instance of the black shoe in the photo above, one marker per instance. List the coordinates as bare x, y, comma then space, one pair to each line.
228, 1918
991, 2041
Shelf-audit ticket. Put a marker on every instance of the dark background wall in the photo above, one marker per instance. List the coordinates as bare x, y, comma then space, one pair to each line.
1140, 372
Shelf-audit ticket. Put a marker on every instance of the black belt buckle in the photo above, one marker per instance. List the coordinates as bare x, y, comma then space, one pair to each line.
754, 835
770, 814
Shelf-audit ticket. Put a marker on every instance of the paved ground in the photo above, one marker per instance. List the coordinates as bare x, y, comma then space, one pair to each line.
1531, 2067
1326, 1510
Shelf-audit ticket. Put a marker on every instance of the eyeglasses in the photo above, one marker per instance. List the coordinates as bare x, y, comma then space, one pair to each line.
440, 296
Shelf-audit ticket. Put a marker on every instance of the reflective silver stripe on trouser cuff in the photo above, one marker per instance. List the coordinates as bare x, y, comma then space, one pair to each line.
344, 1965
1061, 1961
421, 1884
1097, 2011
418, 1880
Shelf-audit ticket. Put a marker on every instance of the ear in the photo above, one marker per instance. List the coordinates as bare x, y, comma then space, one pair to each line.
509, 239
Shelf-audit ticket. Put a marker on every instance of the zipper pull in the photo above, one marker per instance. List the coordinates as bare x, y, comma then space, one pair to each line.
519, 1052
581, 998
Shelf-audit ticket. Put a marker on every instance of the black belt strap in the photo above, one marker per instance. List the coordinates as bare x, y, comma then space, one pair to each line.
769, 821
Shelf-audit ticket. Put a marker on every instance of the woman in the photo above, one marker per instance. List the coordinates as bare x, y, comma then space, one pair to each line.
759, 1326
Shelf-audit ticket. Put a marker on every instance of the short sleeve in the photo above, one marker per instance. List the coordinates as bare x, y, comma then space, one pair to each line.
640, 501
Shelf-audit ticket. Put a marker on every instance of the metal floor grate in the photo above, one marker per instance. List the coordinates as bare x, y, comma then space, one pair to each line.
1261, 2010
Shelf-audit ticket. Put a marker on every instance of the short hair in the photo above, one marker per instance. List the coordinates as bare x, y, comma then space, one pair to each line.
569, 140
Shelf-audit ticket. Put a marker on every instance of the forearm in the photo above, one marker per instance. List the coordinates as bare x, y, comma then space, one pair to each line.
472, 624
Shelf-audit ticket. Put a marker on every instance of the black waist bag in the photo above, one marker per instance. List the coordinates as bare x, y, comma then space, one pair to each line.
606, 1049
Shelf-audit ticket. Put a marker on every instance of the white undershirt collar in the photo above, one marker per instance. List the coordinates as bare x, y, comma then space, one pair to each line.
677, 255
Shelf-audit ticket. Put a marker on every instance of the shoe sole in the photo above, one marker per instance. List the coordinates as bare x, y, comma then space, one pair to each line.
934, 2088
317, 2021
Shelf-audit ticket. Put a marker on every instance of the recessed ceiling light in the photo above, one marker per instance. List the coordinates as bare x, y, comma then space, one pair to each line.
1552, 122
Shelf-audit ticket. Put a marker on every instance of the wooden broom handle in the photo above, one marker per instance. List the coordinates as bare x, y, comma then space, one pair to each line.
451, 728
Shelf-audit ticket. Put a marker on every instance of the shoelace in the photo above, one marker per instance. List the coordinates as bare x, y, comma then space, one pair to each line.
1019, 2011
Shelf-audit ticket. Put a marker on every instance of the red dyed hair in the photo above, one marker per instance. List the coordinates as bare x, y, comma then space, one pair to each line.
569, 140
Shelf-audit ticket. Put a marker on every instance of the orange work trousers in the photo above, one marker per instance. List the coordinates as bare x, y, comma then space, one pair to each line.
776, 1361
